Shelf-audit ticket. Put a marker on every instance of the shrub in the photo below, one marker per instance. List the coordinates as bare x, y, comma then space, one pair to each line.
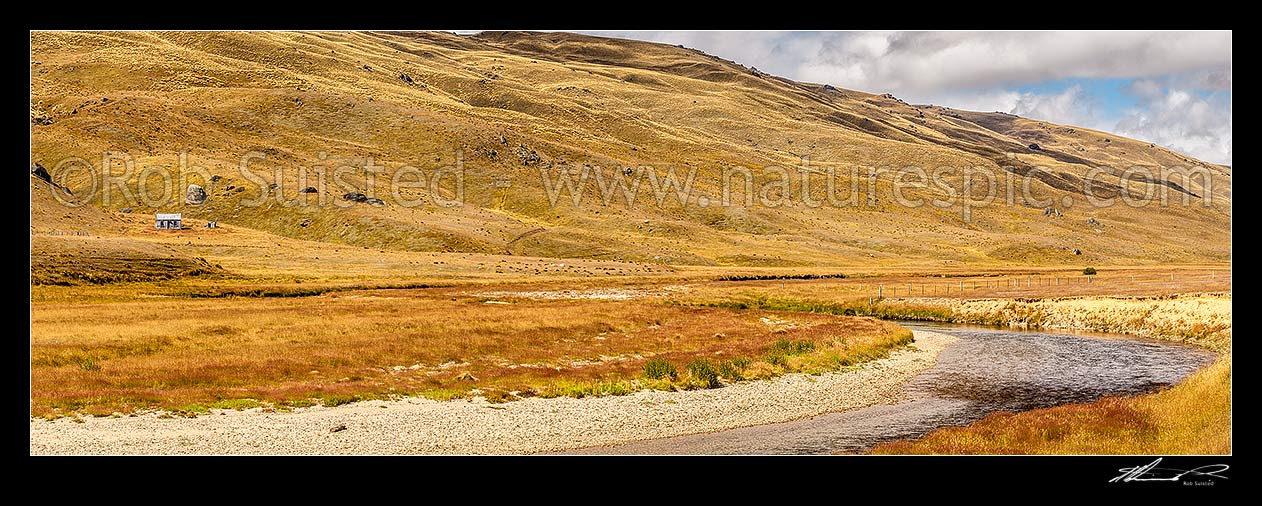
787, 347
733, 369
338, 400
1089, 271
660, 369
703, 371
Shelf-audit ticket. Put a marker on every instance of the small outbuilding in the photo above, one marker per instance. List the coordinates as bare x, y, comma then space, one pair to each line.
173, 221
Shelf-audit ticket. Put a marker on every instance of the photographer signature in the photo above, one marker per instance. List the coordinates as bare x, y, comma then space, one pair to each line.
1151, 472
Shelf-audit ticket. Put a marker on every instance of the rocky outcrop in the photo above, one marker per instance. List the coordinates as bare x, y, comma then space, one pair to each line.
195, 195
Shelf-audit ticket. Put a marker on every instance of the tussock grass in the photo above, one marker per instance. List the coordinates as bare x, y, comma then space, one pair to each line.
660, 369
702, 373
179, 353
879, 309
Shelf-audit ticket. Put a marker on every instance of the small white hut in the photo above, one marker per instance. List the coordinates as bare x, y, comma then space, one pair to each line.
173, 221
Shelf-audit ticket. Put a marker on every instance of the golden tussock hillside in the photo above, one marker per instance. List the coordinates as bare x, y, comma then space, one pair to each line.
522, 111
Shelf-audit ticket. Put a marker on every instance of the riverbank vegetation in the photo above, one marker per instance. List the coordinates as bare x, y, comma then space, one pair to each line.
188, 354
1193, 417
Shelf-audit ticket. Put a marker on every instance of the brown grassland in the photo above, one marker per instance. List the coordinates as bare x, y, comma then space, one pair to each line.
182, 355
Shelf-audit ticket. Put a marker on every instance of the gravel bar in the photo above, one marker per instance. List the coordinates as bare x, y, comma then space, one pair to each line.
534, 425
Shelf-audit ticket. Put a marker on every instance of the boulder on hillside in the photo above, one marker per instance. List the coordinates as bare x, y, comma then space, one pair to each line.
39, 171
355, 197
195, 195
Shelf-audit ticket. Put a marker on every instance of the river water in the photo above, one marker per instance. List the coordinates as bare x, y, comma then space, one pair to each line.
987, 370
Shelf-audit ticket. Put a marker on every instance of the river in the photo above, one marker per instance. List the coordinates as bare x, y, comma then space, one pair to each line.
987, 370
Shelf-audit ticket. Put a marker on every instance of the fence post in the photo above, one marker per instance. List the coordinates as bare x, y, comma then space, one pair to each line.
879, 290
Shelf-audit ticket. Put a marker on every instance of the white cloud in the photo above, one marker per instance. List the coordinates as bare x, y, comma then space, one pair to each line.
1071, 106
1185, 121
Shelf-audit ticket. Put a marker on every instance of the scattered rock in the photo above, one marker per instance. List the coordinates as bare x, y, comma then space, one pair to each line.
355, 197
1035, 147
40, 118
339, 428
126, 210
212, 224
309, 189
304, 222
406, 78
375, 202
829, 87
503, 140
215, 178
465, 376
628, 171
239, 189
1093, 221
526, 155
194, 195
365, 67
39, 171
272, 186
1077, 252
230, 187
1051, 211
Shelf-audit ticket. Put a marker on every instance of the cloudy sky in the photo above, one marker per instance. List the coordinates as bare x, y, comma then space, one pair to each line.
1171, 88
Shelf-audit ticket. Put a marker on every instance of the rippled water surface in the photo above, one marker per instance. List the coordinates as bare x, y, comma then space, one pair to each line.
987, 370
